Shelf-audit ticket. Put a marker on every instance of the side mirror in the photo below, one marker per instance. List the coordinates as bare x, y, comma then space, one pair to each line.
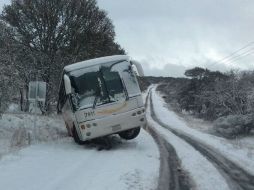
67, 85
139, 68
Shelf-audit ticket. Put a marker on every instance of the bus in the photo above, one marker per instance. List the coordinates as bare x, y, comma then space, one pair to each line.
100, 97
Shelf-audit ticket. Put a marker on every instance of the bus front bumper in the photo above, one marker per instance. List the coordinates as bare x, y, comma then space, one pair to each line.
112, 124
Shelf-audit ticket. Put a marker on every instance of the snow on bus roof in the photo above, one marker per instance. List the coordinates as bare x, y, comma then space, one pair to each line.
96, 61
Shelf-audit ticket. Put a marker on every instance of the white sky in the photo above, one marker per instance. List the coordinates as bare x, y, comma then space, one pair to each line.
169, 36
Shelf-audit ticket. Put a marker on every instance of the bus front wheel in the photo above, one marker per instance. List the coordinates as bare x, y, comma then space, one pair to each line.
130, 133
76, 137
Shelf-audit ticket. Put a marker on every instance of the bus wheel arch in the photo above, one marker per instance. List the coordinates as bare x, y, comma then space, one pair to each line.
130, 133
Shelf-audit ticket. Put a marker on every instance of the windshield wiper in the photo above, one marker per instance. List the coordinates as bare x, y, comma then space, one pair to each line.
97, 94
104, 83
95, 101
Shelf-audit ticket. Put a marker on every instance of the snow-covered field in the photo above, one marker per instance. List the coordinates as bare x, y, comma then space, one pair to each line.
239, 151
17, 130
53, 161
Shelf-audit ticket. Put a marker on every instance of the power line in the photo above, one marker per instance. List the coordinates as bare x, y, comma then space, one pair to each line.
248, 52
241, 56
235, 52
234, 56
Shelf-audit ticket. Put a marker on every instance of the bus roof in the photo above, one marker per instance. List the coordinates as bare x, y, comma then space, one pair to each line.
96, 61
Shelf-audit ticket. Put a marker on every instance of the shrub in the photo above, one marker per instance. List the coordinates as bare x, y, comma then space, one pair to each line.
233, 125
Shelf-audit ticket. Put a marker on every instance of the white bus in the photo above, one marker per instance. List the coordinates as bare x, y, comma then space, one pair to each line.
100, 97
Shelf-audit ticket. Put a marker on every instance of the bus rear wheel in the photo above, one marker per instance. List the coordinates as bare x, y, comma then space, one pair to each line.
130, 133
76, 137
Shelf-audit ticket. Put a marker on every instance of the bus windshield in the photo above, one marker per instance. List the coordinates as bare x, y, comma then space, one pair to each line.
96, 86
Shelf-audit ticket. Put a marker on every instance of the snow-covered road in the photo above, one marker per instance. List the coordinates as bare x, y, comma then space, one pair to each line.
201, 154
64, 165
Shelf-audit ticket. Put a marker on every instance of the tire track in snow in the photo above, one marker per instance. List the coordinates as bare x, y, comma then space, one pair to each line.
172, 177
237, 178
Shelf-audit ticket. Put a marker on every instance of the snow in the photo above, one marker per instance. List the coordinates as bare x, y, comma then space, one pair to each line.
93, 62
238, 153
50, 160
196, 123
204, 175
202, 172
17, 130
65, 165
13, 108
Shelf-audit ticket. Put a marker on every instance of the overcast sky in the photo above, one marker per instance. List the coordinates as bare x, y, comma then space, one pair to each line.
169, 36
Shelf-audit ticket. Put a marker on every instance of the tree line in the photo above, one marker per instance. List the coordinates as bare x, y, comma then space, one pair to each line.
225, 98
39, 37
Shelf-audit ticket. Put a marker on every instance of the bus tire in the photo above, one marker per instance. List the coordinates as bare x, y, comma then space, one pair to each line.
130, 133
76, 137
